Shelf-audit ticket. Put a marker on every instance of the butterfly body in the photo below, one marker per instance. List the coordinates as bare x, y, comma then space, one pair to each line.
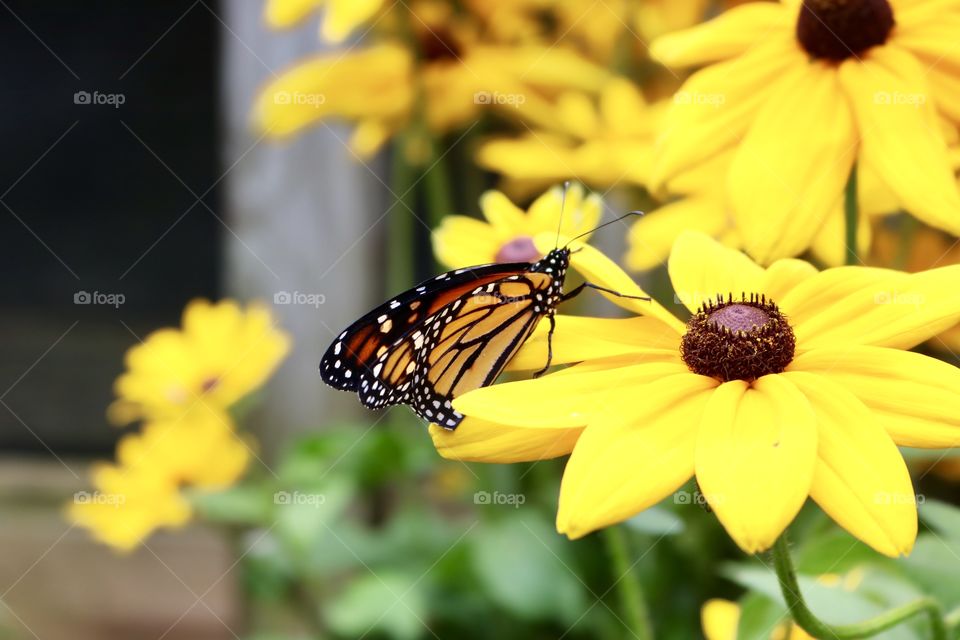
445, 337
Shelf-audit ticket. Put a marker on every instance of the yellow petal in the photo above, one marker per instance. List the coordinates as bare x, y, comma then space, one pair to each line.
460, 242
728, 35
507, 218
580, 338
715, 106
861, 480
791, 167
344, 16
783, 275
652, 236
890, 309
482, 441
701, 269
280, 14
755, 458
556, 400
915, 397
901, 136
597, 268
829, 244
719, 619
601, 484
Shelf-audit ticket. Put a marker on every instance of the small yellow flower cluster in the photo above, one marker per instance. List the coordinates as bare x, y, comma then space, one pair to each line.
181, 383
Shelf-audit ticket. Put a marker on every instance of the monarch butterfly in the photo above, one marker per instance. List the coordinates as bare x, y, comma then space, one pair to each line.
449, 335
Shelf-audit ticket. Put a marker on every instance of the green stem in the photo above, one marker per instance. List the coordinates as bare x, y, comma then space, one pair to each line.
400, 235
436, 182
851, 215
790, 587
628, 584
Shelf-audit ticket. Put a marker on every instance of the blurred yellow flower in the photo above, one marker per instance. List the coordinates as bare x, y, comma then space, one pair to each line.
507, 235
602, 142
340, 19
141, 492
458, 76
816, 410
702, 207
221, 354
804, 90
721, 617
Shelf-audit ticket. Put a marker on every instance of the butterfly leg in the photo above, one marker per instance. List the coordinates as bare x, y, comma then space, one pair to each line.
579, 289
553, 325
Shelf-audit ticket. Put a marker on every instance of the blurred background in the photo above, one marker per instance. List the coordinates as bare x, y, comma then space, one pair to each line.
134, 178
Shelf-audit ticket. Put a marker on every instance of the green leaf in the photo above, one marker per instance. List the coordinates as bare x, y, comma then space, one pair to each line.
657, 521
759, 616
302, 517
247, 505
934, 566
392, 603
942, 517
524, 566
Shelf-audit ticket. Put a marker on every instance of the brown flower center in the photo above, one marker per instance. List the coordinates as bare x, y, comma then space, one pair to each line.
520, 249
839, 29
438, 44
738, 340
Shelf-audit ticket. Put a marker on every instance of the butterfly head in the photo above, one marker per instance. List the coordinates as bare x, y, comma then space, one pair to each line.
554, 263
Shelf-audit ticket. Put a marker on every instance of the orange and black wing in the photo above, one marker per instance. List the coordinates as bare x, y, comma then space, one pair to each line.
449, 335
357, 349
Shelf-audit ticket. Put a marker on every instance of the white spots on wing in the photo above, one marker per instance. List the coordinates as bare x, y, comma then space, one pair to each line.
337, 347
347, 373
394, 304
336, 365
376, 371
411, 366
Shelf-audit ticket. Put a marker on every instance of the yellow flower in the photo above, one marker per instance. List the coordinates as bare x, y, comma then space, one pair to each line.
458, 76
221, 354
703, 208
601, 142
141, 492
796, 384
507, 235
340, 19
721, 617
803, 90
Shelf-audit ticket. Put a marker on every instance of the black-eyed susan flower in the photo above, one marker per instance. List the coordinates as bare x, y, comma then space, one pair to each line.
220, 354
803, 91
450, 73
602, 142
340, 17
786, 383
508, 232
141, 491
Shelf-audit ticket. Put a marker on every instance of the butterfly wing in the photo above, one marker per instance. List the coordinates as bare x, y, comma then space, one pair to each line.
356, 350
470, 342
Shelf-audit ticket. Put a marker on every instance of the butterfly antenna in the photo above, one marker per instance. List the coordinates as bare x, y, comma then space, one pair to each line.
601, 226
563, 204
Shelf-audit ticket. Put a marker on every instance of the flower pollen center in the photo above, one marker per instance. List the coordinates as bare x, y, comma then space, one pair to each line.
520, 249
738, 339
840, 29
